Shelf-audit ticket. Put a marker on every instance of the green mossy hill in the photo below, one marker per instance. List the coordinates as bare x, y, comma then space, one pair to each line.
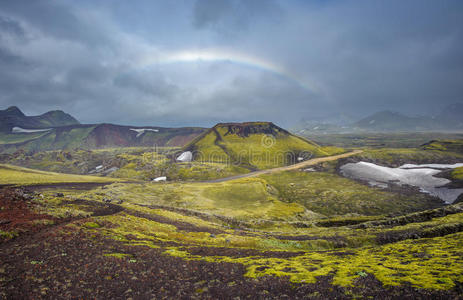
455, 146
254, 145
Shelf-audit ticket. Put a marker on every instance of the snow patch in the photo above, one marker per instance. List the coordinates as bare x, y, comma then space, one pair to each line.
141, 131
186, 156
158, 179
420, 177
22, 130
433, 166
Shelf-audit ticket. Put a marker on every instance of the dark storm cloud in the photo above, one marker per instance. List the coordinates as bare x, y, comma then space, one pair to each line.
56, 19
8, 26
353, 57
226, 16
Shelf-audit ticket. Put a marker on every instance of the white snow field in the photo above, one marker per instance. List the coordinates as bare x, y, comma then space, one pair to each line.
159, 179
22, 130
415, 175
140, 131
186, 156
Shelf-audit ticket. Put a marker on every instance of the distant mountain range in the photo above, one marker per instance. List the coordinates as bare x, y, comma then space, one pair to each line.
14, 117
450, 119
56, 130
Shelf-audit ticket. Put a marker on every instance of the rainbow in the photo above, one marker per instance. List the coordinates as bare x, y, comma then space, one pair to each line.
228, 56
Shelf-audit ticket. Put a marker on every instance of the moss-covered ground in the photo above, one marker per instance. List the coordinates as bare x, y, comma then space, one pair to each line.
457, 173
13, 175
395, 157
340, 256
139, 163
291, 234
332, 195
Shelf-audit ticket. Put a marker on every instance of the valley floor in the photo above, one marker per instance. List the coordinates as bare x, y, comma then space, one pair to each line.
285, 233
66, 246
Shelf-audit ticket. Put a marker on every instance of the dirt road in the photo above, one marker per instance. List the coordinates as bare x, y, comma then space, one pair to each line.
300, 165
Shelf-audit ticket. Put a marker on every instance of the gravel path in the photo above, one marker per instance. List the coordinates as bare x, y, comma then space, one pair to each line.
300, 165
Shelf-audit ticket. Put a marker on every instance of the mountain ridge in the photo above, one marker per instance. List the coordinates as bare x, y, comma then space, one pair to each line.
14, 117
449, 119
57, 130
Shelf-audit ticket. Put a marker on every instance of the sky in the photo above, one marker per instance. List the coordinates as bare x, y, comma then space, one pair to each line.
199, 62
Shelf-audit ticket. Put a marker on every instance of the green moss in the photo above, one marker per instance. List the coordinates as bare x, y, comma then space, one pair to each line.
435, 264
457, 173
7, 235
430, 263
91, 225
397, 157
455, 146
333, 195
117, 255
16, 175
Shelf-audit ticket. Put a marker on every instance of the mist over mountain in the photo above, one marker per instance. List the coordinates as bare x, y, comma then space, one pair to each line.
449, 119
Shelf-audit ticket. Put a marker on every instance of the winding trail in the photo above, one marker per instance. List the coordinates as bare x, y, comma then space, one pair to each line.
303, 164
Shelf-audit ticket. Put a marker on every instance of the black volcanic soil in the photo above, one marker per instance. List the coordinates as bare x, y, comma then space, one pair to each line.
66, 263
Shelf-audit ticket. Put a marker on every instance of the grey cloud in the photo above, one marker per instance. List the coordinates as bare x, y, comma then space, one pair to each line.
364, 55
8, 26
207, 12
58, 19
229, 15
152, 83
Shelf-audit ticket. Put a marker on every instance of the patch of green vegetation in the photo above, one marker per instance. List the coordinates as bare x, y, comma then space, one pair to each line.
132, 162
7, 235
430, 264
455, 146
91, 225
14, 138
53, 139
10, 174
346, 253
457, 173
204, 171
244, 199
333, 195
398, 157
45, 222
380, 140
117, 255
